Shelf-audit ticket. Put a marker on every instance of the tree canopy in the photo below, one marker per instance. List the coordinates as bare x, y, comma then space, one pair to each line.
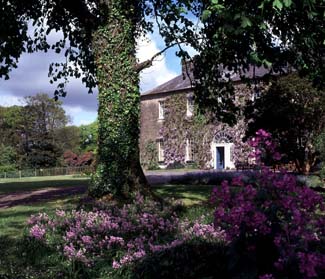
240, 36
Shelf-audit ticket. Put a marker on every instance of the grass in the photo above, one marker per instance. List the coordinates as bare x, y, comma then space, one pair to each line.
188, 194
36, 183
13, 219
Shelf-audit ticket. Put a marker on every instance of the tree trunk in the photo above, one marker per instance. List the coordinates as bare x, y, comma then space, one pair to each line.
118, 171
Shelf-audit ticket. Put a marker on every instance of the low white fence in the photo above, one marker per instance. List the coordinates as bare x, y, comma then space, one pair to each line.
47, 172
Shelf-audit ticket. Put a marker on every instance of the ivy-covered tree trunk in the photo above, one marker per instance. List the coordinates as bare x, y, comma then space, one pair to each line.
118, 171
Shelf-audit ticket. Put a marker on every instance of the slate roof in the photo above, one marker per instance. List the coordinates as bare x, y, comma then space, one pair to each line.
183, 82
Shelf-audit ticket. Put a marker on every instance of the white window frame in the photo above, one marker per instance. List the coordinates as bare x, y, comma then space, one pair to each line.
189, 106
161, 110
189, 151
161, 150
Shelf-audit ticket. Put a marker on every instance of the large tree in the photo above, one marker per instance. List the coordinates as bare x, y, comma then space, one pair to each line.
99, 43
240, 36
294, 112
99, 38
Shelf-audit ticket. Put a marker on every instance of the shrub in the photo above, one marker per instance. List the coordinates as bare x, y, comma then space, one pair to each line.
117, 236
275, 213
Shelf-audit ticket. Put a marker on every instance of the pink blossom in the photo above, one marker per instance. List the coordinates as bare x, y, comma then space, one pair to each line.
37, 231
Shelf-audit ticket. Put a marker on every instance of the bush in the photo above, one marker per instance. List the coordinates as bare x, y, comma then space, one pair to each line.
274, 214
108, 239
196, 259
7, 168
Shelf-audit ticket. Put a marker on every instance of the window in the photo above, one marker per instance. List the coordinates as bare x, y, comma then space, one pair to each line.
189, 154
161, 156
189, 106
256, 94
161, 110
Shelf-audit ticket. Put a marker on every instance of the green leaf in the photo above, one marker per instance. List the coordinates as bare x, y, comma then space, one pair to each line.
267, 63
277, 4
245, 22
206, 14
287, 3
214, 2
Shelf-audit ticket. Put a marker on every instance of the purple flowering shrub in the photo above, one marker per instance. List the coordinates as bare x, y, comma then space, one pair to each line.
287, 216
120, 235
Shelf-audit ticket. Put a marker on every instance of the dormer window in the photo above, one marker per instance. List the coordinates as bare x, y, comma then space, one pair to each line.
161, 110
189, 106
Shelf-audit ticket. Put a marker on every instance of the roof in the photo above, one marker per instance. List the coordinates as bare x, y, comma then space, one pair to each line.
178, 83
183, 82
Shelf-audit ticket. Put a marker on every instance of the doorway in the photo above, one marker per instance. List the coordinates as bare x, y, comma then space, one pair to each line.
220, 157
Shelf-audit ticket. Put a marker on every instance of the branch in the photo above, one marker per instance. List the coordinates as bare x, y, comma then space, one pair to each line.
148, 63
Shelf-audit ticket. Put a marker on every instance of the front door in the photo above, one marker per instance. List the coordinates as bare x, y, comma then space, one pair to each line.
220, 158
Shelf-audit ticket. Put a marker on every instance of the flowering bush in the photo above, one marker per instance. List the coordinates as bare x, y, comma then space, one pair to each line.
274, 208
119, 235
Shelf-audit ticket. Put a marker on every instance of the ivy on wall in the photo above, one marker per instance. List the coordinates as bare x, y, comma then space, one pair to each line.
201, 130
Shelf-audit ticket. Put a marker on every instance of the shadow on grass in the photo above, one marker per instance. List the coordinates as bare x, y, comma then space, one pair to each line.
17, 186
50, 195
194, 193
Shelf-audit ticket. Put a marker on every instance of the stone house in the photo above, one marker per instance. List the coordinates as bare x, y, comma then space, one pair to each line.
223, 148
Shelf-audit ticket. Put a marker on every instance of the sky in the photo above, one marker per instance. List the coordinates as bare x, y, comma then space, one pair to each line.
31, 77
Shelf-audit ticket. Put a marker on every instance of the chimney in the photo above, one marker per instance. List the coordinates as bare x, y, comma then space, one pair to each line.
187, 66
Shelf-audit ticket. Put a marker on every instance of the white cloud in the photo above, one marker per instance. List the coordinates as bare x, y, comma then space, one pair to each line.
9, 100
158, 73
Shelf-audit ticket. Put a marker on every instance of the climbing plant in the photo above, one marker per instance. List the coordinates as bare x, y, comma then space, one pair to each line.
200, 130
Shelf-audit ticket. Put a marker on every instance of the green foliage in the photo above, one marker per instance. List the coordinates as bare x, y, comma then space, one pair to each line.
45, 117
322, 172
239, 34
320, 146
88, 137
7, 155
68, 138
178, 129
119, 99
150, 156
294, 112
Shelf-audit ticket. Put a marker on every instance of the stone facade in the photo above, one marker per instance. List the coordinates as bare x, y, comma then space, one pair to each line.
225, 149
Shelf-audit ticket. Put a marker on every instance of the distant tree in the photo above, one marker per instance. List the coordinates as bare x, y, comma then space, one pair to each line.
44, 117
68, 138
11, 124
8, 158
293, 111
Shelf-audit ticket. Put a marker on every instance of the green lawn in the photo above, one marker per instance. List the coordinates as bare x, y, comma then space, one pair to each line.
13, 219
188, 194
35, 183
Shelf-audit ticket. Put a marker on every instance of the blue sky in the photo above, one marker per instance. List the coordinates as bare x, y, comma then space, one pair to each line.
31, 77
